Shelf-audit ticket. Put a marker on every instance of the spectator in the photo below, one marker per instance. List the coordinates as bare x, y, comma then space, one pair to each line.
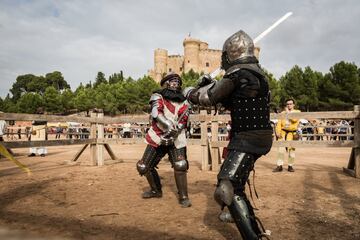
328, 130
19, 132
127, 130
58, 131
320, 131
343, 129
2, 129
38, 133
286, 130
310, 131
334, 130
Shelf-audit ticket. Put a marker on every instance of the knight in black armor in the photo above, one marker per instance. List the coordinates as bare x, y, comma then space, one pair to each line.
169, 116
243, 90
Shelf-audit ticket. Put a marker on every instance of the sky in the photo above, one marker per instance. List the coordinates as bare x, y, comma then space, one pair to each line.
81, 38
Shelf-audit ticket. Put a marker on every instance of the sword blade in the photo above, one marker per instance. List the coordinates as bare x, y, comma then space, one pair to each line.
269, 29
258, 38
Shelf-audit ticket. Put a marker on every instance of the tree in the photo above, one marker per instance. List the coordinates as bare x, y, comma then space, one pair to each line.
104, 98
56, 80
340, 88
83, 101
100, 78
29, 103
21, 85
190, 78
309, 97
8, 105
274, 87
67, 97
52, 100
291, 84
37, 85
116, 77
145, 87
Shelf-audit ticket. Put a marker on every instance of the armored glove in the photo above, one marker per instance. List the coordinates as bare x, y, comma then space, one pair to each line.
204, 80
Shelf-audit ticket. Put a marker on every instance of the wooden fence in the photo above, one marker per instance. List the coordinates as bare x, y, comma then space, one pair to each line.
210, 142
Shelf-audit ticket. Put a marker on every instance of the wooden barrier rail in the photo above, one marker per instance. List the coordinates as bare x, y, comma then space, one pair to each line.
353, 167
209, 142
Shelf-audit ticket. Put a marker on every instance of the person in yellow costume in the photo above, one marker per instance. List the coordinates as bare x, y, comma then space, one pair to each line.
286, 130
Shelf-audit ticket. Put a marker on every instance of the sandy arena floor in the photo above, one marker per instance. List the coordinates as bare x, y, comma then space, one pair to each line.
61, 201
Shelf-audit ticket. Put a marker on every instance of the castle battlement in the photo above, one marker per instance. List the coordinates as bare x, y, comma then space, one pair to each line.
175, 56
213, 50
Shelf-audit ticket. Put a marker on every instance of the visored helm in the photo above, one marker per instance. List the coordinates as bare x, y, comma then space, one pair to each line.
171, 81
237, 49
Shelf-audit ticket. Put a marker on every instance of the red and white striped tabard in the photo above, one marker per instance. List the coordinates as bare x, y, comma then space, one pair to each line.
172, 111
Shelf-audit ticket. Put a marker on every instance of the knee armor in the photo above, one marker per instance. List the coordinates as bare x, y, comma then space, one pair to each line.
141, 167
181, 165
224, 193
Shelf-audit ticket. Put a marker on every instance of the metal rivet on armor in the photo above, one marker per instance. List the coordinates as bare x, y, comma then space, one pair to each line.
254, 117
260, 108
260, 116
259, 98
246, 109
247, 117
253, 99
261, 125
254, 125
247, 126
245, 100
253, 108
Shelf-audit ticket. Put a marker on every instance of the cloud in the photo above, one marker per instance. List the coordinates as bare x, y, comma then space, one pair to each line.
80, 38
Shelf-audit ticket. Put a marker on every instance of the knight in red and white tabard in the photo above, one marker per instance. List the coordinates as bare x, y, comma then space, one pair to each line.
169, 116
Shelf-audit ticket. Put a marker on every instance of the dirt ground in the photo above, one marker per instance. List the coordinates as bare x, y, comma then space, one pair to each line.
61, 201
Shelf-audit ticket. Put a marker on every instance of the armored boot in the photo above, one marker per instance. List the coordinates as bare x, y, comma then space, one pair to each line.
181, 184
155, 186
244, 218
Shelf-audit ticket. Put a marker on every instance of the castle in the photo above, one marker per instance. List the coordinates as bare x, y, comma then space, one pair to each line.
197, 56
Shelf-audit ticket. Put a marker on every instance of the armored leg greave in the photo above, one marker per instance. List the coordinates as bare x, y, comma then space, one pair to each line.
146, 166
230, 192
180, 164
153, 180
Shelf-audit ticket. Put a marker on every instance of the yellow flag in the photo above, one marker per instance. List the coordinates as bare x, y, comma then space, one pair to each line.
5, 153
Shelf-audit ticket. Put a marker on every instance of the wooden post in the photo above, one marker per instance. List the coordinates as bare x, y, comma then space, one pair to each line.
93, 150
110, 151
357, 141
353, 167
100, 147
204, 143
215, 153
78, 154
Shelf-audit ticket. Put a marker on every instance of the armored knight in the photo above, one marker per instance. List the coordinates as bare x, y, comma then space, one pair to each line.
169, 116
243, 90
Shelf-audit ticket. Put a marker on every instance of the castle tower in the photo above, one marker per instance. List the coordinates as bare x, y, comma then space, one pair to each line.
160, 63
191, 54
